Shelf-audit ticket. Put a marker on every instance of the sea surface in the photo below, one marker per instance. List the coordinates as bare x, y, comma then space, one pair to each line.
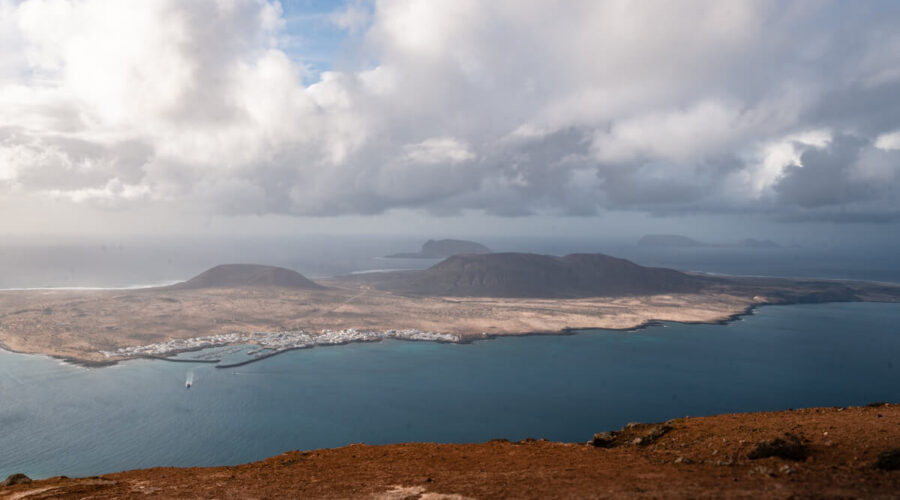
133, 262
57, 418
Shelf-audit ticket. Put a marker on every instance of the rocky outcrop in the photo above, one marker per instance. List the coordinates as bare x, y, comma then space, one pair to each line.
789, 447
888, 460
14, 479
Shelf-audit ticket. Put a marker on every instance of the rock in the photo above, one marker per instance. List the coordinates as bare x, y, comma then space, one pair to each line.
684, 460
634, 433
786, 469
656, 432
762, 470
790, 447
604, 439
14, 479
888, 460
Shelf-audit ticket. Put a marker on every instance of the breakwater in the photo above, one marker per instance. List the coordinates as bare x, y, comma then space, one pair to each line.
258, 358
180, 360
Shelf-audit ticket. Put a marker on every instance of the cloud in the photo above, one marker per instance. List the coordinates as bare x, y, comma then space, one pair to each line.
889, 141
439, 150
507, 108
354, 18
847, 180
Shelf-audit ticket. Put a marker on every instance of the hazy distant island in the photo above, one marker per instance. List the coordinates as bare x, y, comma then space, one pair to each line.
463, 298
677, 240
441, 249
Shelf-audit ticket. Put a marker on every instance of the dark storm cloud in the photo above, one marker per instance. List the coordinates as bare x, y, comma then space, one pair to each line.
835, 181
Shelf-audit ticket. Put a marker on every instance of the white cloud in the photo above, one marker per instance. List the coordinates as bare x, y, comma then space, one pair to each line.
774, 156
504, 107
354, 18
438, 150
114, 192
888, 142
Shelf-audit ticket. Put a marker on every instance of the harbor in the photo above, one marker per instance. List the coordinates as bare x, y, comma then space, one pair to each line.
266, 344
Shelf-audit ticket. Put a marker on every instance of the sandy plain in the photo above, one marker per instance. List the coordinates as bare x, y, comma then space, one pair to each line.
78, 324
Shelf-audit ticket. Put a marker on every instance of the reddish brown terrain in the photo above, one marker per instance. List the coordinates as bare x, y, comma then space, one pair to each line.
819, 453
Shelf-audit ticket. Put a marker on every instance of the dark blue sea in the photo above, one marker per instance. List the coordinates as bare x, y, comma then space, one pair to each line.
62, 419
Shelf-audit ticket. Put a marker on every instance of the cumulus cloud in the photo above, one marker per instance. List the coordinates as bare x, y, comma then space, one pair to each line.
438, 150
509, 108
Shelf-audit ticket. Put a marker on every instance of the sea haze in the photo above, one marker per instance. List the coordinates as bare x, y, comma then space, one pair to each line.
61, 419
130, 262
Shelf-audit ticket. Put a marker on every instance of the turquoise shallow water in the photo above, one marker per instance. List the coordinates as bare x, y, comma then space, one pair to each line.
62, 419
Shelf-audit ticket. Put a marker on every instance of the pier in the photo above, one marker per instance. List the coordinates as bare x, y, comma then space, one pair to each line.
258, 358
180, 360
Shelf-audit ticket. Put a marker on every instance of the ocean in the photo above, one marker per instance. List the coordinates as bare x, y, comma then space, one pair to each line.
57, 418
132, 261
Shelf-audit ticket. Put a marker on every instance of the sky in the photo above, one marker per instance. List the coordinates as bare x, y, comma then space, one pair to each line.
712, 119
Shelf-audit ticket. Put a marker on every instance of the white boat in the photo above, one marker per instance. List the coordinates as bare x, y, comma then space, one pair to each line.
189, 381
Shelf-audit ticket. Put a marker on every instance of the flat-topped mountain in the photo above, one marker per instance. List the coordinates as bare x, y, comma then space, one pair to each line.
752, 243
441, 249
533, 275
233, 275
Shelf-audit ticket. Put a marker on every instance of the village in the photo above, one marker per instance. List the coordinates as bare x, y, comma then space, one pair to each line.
276, 341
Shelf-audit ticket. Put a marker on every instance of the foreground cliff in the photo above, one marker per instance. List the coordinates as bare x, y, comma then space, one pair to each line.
813, 453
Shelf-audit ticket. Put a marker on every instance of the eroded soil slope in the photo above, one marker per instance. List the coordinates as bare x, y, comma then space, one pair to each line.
818, 453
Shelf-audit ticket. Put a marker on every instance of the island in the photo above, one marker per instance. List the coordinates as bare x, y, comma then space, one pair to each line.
461, 299
677, 240
441, 249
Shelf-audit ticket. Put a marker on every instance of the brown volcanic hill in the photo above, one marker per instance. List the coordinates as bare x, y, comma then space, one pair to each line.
232, 275
830, 453
533, 275
439, 249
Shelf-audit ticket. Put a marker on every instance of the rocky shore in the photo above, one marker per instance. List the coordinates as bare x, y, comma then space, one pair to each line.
811, 453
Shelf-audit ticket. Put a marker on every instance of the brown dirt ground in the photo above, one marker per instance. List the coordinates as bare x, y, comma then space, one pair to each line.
697, 458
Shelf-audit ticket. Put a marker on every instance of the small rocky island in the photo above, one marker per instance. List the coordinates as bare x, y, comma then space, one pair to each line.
441, 249
678, 240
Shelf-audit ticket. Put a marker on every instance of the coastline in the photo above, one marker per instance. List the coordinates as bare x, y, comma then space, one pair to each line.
463, 339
